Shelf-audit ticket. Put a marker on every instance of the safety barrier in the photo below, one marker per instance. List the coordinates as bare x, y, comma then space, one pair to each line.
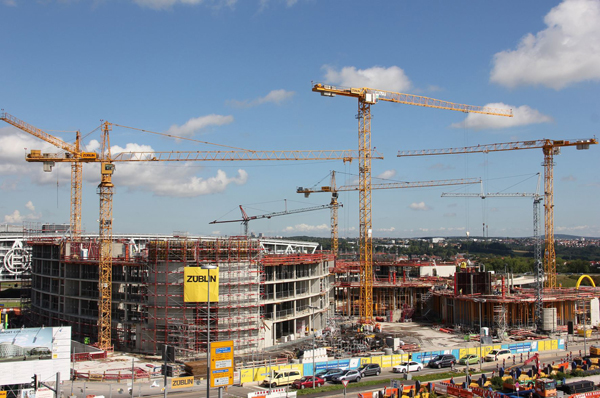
387, 361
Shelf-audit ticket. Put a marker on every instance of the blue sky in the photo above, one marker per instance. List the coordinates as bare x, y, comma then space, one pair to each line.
239, 73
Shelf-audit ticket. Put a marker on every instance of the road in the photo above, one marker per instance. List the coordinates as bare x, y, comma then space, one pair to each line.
145, 388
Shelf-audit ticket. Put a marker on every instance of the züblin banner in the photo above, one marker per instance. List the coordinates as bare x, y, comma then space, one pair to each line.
196, 282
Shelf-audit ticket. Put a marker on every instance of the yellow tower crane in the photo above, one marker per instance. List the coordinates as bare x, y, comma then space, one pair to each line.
390, 185
367, 97
74, 155
550, 148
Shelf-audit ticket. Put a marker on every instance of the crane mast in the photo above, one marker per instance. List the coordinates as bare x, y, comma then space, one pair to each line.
106, 191
550, 148
334, 217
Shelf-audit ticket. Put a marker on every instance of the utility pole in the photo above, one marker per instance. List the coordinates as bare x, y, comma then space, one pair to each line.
132, 376
165, 370
208, 267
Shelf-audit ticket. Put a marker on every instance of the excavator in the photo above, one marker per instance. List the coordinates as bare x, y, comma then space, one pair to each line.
543, 387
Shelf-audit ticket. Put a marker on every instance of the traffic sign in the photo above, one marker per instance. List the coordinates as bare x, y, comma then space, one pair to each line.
221, 363
345, 382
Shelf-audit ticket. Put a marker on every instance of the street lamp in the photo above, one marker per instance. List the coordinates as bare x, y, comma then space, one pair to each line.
480, 334
312, 322
208, 267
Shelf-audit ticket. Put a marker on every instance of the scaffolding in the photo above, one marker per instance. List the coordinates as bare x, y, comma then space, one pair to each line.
500, 319
169, 320
398, 292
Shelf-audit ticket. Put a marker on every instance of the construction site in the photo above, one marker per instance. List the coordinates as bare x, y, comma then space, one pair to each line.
125, 296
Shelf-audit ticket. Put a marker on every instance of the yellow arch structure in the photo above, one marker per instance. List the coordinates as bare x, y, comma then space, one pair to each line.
582, 277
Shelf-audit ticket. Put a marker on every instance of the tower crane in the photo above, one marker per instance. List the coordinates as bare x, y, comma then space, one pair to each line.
549, 148
74, 155
367, 97
246, 218
537, 246
393, 185
73, 152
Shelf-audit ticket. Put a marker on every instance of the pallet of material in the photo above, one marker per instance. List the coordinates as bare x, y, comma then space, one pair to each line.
196, 368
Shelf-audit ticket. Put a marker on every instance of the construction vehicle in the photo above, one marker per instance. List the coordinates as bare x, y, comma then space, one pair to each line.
541, 385
367, 97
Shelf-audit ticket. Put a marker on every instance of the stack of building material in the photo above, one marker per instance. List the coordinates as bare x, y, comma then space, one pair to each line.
196, 368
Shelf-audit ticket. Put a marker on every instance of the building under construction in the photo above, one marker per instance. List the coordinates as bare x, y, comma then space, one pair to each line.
269, 291
466, 299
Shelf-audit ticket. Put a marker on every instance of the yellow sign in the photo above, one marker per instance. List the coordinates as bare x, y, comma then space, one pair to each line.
196, 284
2, 394
221, 363
182, 382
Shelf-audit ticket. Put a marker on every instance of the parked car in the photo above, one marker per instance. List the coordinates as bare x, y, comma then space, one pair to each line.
372, 369
282, 378
469, 359
405, 367
350, 375
442, 361
498, 355
329, 373
307, 382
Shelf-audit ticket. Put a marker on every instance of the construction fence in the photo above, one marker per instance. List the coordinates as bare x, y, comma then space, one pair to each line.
257, 374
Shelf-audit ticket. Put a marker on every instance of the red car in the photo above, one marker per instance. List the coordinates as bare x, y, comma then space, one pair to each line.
307, 382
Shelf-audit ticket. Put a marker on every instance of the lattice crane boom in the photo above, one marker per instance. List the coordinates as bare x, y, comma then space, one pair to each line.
549, 148
393, 185
217, 156
246, 218
367, 97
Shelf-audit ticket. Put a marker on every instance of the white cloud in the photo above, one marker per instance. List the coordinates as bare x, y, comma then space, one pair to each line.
263, 4
377, 77
566, 52
522, 116
419, 206
16, 217
162, 180
569, 178
13, 147
586, 230
275, 97
307, 228
450, 215
391, 229
386, 175
167, 4
195, 125
11, 3
158, 177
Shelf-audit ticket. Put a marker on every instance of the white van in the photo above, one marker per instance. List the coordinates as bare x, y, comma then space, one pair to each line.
282, 378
